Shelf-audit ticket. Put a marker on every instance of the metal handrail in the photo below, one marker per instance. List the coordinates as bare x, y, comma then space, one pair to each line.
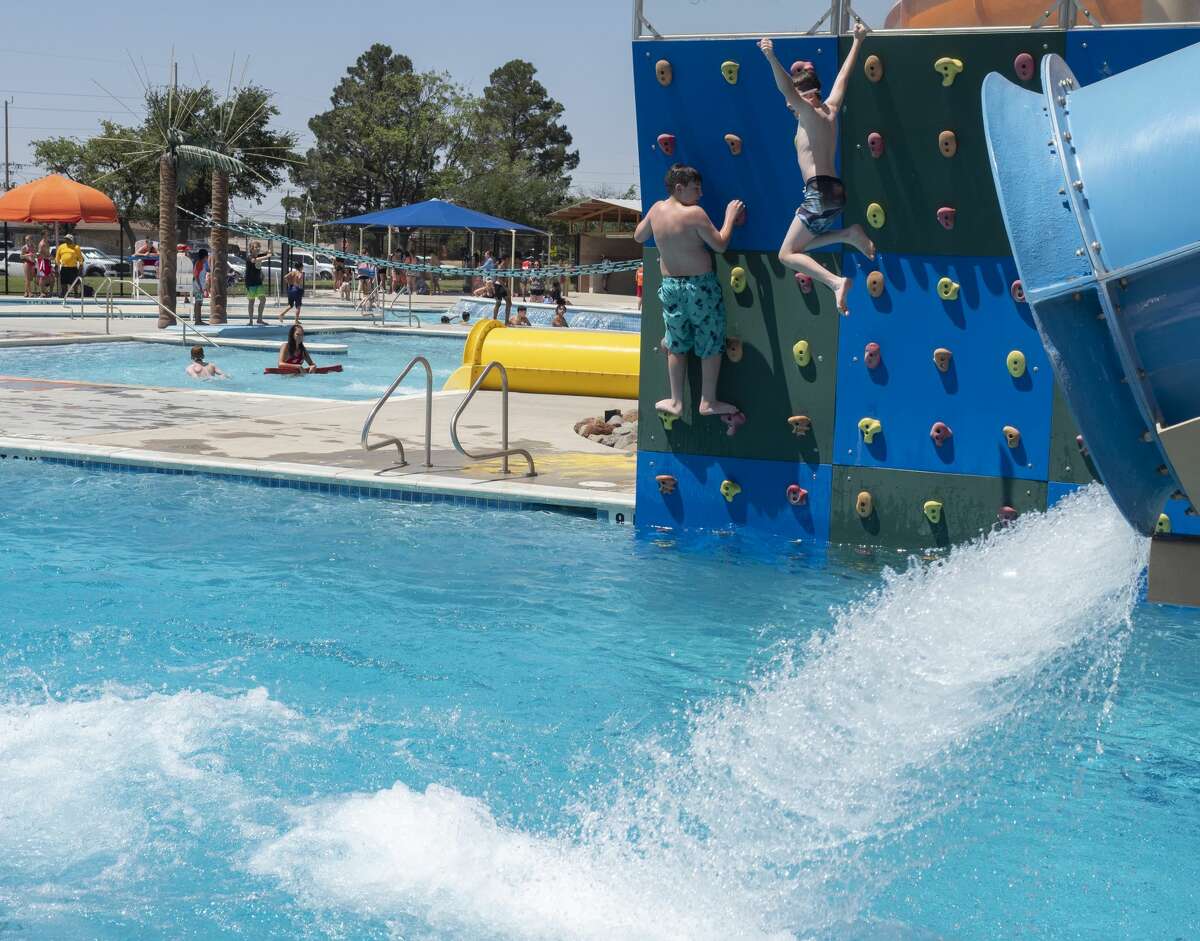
180, 319
391, 305
66, 294
366, 430
505, 449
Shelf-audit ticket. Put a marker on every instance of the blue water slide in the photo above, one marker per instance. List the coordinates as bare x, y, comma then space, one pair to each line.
1100, 192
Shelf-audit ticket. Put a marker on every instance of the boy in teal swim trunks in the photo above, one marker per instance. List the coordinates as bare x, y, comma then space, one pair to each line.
693, 308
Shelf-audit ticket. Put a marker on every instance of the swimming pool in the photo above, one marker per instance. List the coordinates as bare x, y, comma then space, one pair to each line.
313, 716
370, 367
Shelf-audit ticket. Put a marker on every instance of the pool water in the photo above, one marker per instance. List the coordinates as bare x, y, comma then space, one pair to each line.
372, 364
227, 711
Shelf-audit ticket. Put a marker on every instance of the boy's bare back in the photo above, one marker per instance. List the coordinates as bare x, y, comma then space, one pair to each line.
682, 251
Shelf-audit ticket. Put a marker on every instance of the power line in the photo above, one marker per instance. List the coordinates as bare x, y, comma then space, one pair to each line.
68, 94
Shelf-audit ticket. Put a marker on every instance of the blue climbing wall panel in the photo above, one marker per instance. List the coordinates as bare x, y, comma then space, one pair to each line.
975, 474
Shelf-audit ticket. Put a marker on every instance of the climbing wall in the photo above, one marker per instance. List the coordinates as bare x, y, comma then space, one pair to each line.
929, 413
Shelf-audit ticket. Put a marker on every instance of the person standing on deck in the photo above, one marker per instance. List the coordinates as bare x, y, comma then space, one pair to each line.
69, 259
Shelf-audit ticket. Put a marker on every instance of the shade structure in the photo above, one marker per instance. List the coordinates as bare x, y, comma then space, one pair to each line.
435, 214
54, 198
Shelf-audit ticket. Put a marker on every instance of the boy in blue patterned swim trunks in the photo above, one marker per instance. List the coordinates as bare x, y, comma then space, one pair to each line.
693, 307
816, 144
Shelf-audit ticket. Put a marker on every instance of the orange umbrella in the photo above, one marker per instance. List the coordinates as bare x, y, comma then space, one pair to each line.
54, 198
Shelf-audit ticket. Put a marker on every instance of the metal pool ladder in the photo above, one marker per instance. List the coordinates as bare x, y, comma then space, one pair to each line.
505, 450
366, 430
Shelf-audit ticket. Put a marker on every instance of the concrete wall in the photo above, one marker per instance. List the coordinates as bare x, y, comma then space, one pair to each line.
975, 473
592, 248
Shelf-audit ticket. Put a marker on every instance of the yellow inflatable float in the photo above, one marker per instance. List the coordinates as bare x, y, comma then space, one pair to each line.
554, 362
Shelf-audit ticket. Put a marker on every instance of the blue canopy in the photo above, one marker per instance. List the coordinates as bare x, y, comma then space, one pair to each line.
435, 214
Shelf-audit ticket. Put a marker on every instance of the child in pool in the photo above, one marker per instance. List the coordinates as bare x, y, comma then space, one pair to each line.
693, 308
560, 315
816, 143
522, 318
293, 352
199, 369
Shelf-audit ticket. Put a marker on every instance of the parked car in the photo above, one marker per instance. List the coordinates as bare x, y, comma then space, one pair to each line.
320, 267
12, 264
99, 264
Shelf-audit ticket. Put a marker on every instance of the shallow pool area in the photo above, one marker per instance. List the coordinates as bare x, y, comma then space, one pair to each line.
372, 364
313, 716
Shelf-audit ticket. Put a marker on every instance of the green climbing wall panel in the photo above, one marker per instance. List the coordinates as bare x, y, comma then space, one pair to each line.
769, 316
910, 107
1068, 464
969, 505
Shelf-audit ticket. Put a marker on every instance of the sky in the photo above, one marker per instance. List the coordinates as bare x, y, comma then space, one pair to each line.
300, 49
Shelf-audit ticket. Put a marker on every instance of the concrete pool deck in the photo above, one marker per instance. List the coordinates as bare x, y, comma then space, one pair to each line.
313, 440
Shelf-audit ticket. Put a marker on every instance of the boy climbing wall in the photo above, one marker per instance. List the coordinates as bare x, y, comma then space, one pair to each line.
816, 144
693, 308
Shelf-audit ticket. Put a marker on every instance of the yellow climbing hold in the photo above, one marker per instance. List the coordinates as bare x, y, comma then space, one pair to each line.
864, 504
737, 279
933, 511
873, 67
1163, 525
947, 289
1012, 436
875, 284
662, 71
942, 358
729, 69
947, 143
876, 216
668, 419
801, 353
870, 427
735, 144
1016, 364
948, 68
729, 490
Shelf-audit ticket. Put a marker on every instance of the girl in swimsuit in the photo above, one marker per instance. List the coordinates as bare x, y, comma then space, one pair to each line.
293, 353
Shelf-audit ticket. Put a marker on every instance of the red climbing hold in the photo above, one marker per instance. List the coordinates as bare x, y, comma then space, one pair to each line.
801, 425
875, 144
800, 66
1082, 446
666, 143
1017, 291
1006, 515
805, 283
945, 216
1023, 66
940, 433
871, 355
797, 495
666, 483
733, 421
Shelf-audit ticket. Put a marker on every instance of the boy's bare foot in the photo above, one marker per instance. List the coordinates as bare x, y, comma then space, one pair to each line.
716, 408
858, 237
840, 293
669, 406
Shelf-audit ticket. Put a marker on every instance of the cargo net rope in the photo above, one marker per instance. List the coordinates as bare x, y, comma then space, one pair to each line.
256, 232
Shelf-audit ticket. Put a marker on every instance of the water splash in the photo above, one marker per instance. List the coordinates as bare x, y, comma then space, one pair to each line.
764, 824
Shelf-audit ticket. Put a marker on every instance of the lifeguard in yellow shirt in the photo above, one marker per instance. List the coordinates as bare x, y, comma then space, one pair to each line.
69, 261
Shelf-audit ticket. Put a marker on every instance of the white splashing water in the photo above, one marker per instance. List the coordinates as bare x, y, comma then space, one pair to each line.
762, 826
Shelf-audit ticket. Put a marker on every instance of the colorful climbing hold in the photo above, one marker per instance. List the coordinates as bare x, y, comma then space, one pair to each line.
735, 144
666, 483
942, 358
1006, 514
949, 68
876, 216
1023, 66
663, 72
872, 356
875, 284
733, 421
875, 144
873, 67
933, 511
1163, 525
945, 217
666, 143
940, 433
729, 490
1017, 290
800, 424
1082, 445
801, 353
729, 70
797, 495
864, 504
1016, 364
870, 427
668, 419
947, 289
805, 283
801, 66
737, 279
1012, 436
948, 143
733, 349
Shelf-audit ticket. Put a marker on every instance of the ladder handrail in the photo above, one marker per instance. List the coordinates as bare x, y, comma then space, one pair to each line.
366, 429
505, 450
181, 319
391, 305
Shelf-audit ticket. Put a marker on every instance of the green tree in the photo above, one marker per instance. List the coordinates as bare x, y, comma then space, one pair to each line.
385, 139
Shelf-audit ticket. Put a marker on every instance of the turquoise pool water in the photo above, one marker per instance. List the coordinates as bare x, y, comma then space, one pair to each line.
368, 369
227, 711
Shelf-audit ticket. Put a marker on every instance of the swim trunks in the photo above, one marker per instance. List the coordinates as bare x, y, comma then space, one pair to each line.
694, 314
824, 200
256, 290
295, 295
